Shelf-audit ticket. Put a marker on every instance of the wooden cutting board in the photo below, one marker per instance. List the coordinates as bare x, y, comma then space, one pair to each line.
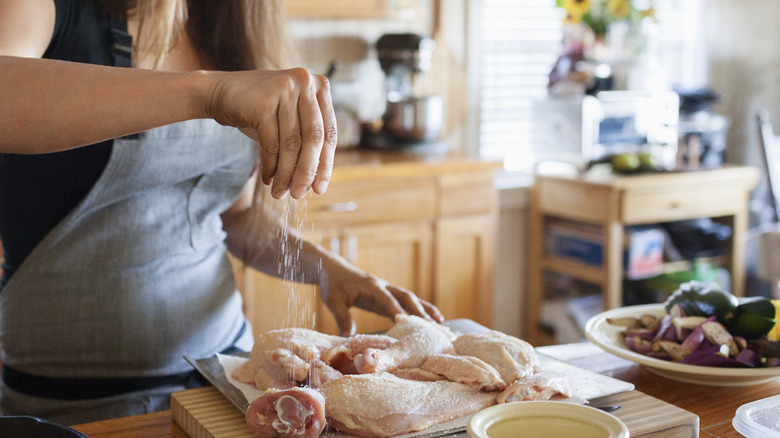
206, 413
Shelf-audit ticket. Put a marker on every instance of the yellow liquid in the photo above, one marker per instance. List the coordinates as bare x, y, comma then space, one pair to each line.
544, 427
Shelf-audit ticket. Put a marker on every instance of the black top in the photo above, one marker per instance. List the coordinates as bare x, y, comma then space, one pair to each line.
38, 191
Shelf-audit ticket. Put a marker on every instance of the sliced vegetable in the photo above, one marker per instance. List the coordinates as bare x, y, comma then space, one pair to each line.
717, 334
709, 358
749, 358
693, 342
696, 340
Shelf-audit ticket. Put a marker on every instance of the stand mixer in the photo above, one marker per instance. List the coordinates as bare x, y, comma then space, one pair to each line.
409, 120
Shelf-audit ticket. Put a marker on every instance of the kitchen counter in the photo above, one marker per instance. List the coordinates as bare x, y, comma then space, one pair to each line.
715, 406
361, 163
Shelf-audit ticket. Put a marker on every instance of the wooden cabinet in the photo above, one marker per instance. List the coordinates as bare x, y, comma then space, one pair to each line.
425, 224
613, 202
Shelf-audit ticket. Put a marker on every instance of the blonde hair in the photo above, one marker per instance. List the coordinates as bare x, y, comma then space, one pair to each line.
229, 34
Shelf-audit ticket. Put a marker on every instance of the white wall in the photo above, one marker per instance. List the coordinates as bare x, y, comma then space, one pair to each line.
743, 51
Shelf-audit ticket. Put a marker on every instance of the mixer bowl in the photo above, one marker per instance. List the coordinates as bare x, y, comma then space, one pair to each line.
417, 119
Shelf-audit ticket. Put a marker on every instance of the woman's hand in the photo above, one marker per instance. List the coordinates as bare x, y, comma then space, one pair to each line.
343, 286
291, 114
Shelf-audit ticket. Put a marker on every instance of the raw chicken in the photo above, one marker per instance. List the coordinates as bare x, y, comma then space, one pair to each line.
467, 370
279, 357
417, 375
294, 412
418, 338
288, 357
512, 357
372, 405
342, 356
546, 385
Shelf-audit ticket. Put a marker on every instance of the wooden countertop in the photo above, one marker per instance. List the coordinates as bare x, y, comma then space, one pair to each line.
743, 175
715, 406
363, 163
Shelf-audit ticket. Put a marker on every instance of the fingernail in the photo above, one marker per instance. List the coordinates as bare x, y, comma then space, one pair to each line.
299, 192
279, 194
321, 187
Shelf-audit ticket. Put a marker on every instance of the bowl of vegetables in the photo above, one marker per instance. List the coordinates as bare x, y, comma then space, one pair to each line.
701, 334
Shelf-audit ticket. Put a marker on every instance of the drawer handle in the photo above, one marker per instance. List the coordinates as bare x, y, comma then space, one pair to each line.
342, 206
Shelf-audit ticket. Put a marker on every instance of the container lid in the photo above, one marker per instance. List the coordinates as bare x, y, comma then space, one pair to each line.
759, 419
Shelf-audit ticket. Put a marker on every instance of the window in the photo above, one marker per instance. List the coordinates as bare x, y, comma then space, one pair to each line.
515, 44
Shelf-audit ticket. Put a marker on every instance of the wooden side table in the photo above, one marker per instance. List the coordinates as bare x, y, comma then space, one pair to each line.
614, 202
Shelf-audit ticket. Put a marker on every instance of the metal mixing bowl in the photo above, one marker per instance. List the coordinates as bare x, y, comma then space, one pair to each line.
418, 119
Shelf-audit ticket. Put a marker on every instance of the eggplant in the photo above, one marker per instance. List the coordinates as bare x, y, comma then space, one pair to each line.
708, 358
700, 299
693, 342
749, 358
716, 333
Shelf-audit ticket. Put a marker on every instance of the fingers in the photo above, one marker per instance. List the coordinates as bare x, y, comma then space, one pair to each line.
322, 179
298, 135
416, 306
344, 319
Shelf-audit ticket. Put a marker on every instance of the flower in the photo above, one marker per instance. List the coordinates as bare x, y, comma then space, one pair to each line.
598, 15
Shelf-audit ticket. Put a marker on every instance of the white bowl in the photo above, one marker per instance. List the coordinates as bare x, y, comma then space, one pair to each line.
545, 419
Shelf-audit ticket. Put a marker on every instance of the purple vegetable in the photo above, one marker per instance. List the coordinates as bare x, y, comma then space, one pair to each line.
666, 324
638, 344
749, 358
659, 355
693, 341
710, 359
641, 333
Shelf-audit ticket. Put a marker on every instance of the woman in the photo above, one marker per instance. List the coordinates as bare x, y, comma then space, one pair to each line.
115, 242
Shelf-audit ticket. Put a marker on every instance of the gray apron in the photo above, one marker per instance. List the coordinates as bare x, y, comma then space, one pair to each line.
136, 277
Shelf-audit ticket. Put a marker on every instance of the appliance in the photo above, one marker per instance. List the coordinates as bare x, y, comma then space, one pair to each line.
577, 129
614, 122
702, 131
410, 120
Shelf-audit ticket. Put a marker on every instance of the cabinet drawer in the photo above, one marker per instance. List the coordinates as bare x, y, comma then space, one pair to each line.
662, 206
371, 201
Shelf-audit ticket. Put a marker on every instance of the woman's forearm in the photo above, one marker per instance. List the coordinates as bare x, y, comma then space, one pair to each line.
258, 238
53, 105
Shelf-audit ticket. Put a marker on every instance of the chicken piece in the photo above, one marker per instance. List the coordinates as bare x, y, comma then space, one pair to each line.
320, 372
547, 385
382, 404
280, 357
417, 374
342, 356
513, 358
467, 370
418, 338
295, 412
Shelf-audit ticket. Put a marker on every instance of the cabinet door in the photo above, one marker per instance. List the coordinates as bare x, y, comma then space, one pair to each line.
400, 253
465, 248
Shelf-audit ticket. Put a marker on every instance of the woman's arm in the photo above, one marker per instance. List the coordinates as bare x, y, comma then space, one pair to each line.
48, 105
256, 236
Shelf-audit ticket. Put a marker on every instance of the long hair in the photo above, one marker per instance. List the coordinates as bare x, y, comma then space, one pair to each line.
230, 34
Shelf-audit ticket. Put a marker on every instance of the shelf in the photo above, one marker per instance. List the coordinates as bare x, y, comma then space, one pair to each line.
577, 270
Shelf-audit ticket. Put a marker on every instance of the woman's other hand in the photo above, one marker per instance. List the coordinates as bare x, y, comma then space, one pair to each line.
290, 113
343, 286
